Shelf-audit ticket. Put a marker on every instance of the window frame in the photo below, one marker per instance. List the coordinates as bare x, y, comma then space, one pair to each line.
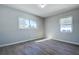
30, 23
66, 24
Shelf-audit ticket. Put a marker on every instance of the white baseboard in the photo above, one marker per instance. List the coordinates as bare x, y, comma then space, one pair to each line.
17, 42
38, 38
12, 43
67, 41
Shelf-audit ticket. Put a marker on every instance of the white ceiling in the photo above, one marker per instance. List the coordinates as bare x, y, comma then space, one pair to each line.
50, 9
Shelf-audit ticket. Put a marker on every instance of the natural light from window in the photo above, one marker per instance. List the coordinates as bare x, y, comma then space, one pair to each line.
66, 24
27, 23
33, 24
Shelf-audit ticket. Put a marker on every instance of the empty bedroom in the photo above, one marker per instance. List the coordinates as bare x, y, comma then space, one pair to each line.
39, 29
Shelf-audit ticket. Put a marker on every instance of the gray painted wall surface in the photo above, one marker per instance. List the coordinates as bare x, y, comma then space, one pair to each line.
53, 27
9, 31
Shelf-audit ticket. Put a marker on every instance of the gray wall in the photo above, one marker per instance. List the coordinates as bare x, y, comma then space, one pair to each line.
53, 27
9, 31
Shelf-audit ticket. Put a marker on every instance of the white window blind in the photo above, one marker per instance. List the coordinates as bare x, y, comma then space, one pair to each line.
27, 23
66, 24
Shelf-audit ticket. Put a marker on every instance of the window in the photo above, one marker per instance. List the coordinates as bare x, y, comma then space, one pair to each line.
33, 24
26, 23
66, 24
23, 23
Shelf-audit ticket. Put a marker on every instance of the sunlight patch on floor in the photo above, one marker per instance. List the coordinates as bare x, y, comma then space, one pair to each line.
42, 40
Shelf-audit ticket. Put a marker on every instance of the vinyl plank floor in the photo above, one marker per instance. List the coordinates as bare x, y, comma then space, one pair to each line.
46, 47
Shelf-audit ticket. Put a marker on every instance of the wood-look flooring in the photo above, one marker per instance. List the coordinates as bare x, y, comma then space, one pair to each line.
48, 47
